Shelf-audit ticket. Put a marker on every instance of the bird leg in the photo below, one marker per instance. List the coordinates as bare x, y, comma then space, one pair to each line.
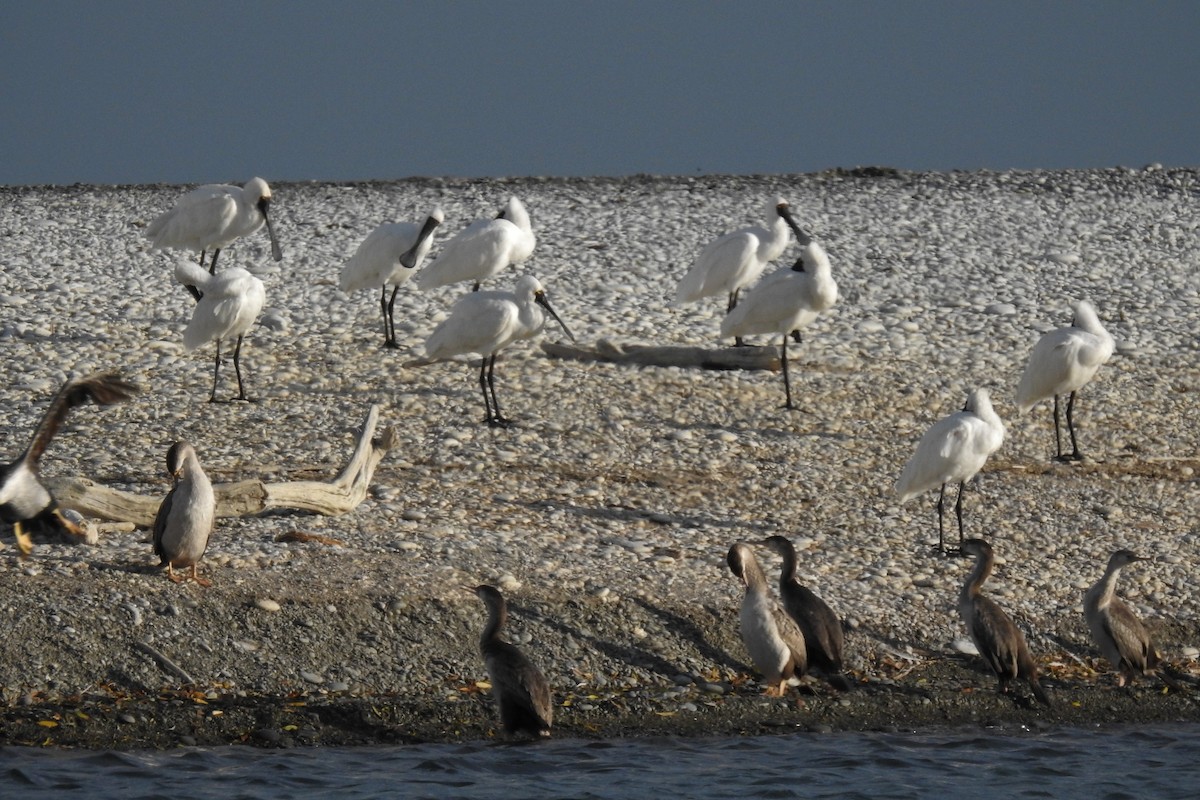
787, 384
776, 689
958, 511
941, 505
24, 542
237, 351
1075, 454
212, 265
390, 320
212, 397
171, 574
495, 418
730, 306
796, 337
196, 577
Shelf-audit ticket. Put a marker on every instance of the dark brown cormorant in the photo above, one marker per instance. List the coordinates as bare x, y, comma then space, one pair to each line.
520, 690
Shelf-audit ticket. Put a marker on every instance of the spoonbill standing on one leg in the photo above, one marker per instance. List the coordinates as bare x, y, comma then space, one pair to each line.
388, 257
482, 249
735, 260
953, 450
228, 306
487, 322
213, 216
785, 301
1065, 360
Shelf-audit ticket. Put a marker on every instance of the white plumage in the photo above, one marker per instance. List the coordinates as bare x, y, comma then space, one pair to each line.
185, 518
213, 216
953, 450
735, 260
1064, 361
388, 257
487, 322
482, 249
785, 301
228, 307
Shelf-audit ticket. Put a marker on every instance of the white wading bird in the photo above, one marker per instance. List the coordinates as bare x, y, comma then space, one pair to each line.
213, 216
23, 498
953, 450
785, 301
229, 305
388, 257
735, 260
185, 517
482, 249
1065, 360
487, 322
1120, 635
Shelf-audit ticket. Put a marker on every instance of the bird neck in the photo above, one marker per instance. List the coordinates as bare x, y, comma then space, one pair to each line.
1106, 587
979, 573
788, 573
497, 616
753, 575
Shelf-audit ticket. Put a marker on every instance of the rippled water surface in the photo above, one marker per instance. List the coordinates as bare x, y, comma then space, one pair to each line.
1124, 763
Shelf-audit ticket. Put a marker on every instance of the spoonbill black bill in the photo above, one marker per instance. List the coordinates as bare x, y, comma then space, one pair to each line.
953, 450
519, 688
185, 517
388, 257
786, 301
772, 638
213, 216
1064, 361
24, 500
732, 262
998, 640
482, 249
229, 305
1120, 635
487, 322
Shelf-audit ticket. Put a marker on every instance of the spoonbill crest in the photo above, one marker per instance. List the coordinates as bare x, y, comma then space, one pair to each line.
772, 638
388, 257
23, 498
213, 216
228, 306
185, 517
785, 301
733, 261
487, 322
482, 249
521, 692
996, 637
953, 450
1062, 361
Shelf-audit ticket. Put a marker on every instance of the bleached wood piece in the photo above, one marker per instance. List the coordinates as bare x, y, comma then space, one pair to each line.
670, 355
246, 497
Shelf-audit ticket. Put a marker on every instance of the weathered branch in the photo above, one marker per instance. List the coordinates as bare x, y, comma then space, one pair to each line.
670, 356
247, 497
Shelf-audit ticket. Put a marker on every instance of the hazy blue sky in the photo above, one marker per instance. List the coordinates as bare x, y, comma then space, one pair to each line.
139, 92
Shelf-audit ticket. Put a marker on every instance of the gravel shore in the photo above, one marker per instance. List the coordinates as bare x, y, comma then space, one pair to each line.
605, 514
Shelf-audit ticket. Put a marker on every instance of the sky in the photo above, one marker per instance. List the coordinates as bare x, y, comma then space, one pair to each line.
176, 91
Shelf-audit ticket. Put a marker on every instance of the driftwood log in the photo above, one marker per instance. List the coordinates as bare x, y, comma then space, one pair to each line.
670, 356
247, 497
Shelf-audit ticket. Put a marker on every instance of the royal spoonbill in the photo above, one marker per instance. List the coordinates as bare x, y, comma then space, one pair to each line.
487, 322
785, 301
482, 249
229, 305
772, 638
185, 517
1120, 635
388, 257
1062, 361
821, 628
519, 688
24, 500
953, 450
213, 216
998, 640
734, 261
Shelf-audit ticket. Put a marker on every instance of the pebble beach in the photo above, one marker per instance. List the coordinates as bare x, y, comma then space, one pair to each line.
605, 514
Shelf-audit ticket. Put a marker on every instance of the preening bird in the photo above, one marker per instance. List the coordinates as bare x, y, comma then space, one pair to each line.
185, 517
734, 261
998, 640
772, 638
24, 500
519, 688
786, 301
1120, 635
487, 322
821, 628
229, 305
1062, 361
213, 216
953, 450
482, 249
388, 257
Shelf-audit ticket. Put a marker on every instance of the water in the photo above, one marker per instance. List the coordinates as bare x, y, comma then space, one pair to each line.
1161, 762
